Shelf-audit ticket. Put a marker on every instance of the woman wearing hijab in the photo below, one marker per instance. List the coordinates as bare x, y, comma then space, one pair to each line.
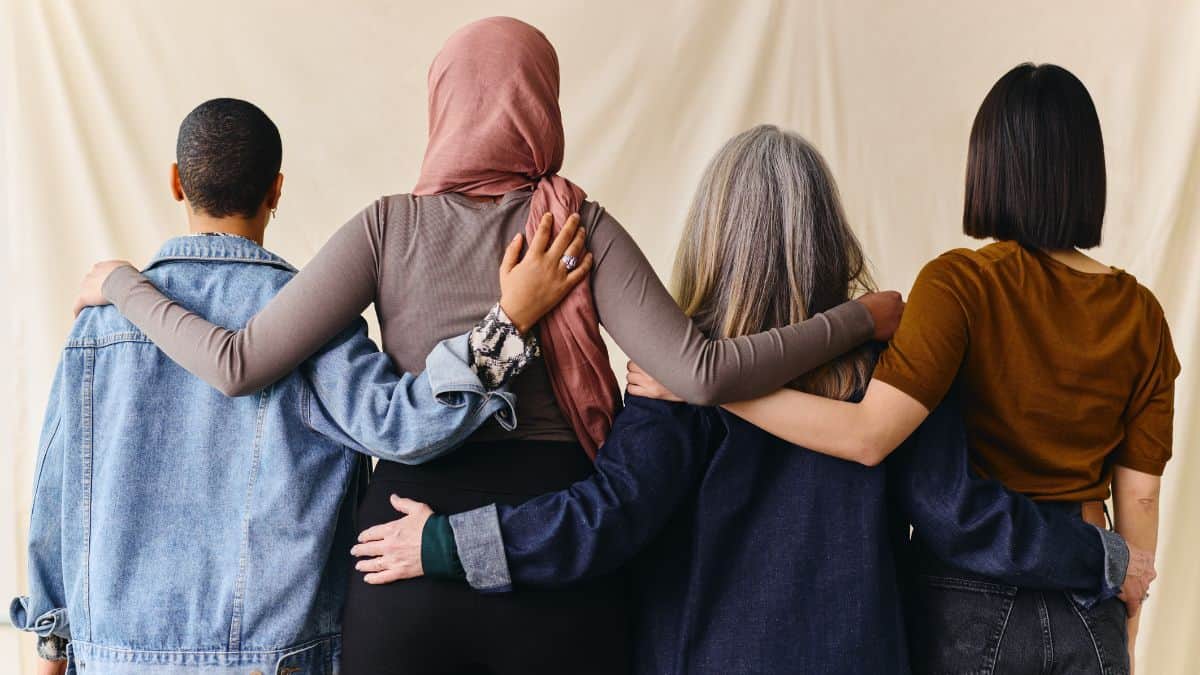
427, 261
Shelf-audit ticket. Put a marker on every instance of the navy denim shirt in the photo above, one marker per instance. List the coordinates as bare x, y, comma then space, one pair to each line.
759, 556
175, 529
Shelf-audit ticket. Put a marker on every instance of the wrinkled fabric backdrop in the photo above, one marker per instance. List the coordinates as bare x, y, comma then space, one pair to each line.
93, 94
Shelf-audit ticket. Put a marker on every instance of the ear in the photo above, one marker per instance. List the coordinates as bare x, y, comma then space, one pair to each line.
176, 186
275, 192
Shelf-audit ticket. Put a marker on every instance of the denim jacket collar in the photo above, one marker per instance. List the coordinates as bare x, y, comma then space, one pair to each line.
225, 248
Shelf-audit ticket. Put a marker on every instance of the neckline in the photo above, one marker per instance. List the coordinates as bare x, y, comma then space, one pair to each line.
506, 198
1115, 273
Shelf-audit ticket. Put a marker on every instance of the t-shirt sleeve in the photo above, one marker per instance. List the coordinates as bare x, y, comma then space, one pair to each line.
1149, 419
928, 348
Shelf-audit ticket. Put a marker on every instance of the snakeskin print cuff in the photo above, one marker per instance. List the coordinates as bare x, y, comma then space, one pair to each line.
52, 648
498, 351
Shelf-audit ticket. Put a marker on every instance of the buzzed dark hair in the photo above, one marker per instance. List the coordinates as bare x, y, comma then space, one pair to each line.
228, 154
1035, 168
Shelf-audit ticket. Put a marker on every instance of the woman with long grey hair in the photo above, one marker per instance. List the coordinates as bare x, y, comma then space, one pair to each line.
751, 554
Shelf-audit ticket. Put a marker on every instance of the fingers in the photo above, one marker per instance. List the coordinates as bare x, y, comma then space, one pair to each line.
512, 254
541, 238
377, 532
566, 237
408, 506
369, 549
376, 564
576, 248
634, 368
580, 273
390, 575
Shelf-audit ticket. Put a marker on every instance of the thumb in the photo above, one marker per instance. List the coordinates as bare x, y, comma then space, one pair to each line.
408, 506
512, 254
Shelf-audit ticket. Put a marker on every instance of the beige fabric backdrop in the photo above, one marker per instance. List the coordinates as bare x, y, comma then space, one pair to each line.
93, 93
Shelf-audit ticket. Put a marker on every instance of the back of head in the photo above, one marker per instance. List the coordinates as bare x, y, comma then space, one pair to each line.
228, 154
766, 244
1035, 168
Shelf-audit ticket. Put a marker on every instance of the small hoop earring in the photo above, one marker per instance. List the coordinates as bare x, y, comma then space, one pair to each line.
273, 214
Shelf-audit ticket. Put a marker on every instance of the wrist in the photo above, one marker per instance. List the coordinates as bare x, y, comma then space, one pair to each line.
516, 317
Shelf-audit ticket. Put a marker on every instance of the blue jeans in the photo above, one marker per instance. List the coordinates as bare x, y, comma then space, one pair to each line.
966, 624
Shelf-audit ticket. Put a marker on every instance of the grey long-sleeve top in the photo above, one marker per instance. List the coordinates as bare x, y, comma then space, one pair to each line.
429, 264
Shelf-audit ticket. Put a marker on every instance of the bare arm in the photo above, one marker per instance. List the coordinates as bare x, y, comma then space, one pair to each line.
865, 432
1135, 498
645, 321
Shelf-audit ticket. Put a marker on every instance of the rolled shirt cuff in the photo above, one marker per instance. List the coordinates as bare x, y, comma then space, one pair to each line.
52, 648
499, 352
450, 377
480, 547
52, 622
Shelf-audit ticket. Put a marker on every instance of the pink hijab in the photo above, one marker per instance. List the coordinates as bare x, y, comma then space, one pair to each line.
495, 127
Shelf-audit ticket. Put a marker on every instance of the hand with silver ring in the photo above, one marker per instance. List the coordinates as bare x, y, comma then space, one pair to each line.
570, 262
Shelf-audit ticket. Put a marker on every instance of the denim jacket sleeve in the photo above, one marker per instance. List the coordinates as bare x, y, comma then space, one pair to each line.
654, 455
360, 400
980, 526
44, 611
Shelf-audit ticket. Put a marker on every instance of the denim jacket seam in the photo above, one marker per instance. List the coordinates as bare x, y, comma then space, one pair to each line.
239, 593
45, 452
86, 440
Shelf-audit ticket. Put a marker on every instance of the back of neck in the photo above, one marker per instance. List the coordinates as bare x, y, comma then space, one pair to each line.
249, 228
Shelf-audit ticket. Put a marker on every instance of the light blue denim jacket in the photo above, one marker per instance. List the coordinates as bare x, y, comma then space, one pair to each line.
175, 530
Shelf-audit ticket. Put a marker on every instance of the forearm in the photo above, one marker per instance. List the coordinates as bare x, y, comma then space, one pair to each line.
51, 666
655, 453
1136, 506
647, 323
864, 432
361, 401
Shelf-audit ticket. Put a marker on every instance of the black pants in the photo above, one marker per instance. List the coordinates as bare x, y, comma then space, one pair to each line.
426, 626
963, 624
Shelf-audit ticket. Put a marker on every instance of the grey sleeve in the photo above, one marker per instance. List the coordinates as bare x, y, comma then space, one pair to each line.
650, 327
314, 307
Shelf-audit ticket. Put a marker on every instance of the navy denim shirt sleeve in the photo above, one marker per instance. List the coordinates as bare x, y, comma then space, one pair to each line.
360, 400
980, 526
652, 460
44, 611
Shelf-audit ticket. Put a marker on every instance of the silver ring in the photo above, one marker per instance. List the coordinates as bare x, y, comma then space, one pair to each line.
570, 262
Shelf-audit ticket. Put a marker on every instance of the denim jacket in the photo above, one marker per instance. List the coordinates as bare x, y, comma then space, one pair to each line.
175, 529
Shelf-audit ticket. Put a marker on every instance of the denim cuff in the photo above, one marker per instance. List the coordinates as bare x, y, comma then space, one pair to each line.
1116, 564
1116, 559
450, 376
53, 622
481, 549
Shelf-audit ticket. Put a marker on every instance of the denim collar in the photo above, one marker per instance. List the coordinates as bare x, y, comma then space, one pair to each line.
217, 248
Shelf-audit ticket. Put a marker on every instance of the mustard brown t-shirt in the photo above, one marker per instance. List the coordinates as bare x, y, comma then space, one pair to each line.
1063, 373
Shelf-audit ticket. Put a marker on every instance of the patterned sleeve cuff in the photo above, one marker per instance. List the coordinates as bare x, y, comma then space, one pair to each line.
52, 648
498, 351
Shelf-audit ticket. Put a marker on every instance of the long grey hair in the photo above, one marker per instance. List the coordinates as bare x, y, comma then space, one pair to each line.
767, 244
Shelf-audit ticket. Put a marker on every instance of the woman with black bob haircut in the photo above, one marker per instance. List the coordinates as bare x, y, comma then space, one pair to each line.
1065, 371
